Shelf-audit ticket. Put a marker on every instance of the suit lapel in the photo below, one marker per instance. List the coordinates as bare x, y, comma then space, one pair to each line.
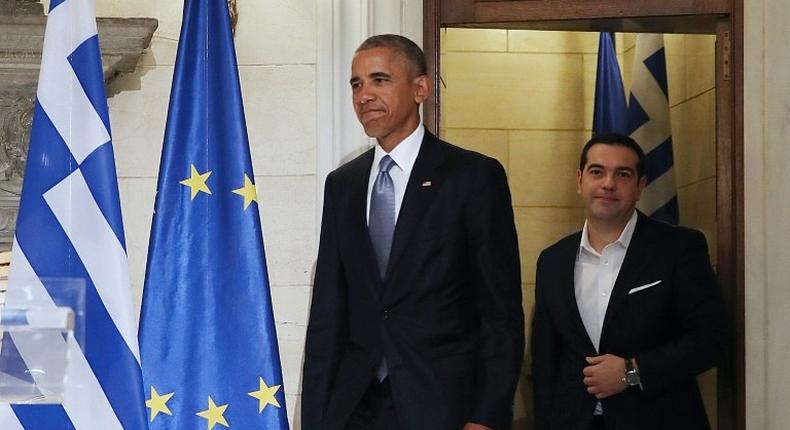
636, 257
568, 293
417, 197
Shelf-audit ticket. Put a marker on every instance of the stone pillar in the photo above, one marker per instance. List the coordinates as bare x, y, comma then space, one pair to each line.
767, 207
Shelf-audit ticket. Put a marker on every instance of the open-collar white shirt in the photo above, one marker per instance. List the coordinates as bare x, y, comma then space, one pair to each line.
594, 276
404, 155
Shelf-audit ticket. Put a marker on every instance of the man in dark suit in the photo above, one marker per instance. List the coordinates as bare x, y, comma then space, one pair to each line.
416, 319
627, 311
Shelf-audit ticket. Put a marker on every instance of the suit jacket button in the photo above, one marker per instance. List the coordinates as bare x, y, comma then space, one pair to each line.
385, 314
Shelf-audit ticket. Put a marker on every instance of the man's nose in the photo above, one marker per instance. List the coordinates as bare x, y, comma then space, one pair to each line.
609, 182
365, 95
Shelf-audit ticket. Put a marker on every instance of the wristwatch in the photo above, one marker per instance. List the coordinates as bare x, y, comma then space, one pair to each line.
631, 377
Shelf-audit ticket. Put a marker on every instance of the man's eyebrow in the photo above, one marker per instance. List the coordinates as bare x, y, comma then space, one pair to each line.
374, 75
618, 168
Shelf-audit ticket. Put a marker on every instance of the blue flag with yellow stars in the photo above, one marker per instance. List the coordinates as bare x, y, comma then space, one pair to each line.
207, 337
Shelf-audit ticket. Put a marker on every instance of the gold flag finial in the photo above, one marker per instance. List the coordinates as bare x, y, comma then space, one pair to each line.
234, 15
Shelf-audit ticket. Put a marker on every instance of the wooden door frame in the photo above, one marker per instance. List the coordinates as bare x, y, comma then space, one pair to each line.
724, 18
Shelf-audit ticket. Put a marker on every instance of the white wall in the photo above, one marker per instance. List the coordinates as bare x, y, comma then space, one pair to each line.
767, 207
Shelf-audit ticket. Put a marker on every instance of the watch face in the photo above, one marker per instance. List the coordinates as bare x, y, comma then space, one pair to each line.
632, 378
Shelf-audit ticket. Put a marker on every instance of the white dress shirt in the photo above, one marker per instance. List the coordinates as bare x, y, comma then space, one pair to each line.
594, 276
404, 155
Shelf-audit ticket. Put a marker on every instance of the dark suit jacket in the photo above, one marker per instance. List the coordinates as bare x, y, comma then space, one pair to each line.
447, 316
674, 329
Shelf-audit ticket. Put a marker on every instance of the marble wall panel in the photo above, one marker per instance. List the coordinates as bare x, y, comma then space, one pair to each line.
138, 113
291, 308
700, 63
694, 138
168, 13
289, 27
493, 143
707, 387
539, 228
519, 91
161, 52
697, 204
473, 39
280, 107
287, 205
291, 360
561, 42
528, 303
543, 167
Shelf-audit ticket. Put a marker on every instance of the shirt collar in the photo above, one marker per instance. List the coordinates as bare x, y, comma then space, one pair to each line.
405, 153
624, 240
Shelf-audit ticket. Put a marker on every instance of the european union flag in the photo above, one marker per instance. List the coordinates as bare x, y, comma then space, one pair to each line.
610, 114
207, 335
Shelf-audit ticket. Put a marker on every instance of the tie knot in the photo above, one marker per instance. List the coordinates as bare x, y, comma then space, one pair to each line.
386, 164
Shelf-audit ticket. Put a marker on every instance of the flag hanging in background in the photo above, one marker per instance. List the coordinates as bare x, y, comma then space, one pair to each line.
69, 227
649, 125
609, 113
207, 336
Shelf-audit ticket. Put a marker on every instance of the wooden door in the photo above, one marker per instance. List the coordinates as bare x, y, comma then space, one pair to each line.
724, 18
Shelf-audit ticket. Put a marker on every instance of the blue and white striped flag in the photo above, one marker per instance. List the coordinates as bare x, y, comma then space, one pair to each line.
70, 227
648, 123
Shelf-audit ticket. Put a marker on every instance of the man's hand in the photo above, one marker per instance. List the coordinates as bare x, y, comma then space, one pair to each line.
604, 375
473, 426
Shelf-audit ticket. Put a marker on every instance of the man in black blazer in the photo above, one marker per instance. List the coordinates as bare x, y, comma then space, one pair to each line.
430, 336
627, 311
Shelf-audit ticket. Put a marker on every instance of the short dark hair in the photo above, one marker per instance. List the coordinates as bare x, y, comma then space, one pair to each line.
615, 139
402, 45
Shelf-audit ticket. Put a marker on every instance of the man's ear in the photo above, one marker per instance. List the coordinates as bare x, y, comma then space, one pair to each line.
578, 181
641, 186
423, 88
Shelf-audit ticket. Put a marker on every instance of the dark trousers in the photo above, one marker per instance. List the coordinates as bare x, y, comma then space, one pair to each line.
376, 410
597, 423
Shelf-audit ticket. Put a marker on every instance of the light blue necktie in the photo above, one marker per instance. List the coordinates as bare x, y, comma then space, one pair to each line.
381, 226
381, 221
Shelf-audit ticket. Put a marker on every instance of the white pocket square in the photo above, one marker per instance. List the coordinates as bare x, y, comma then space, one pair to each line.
643, 287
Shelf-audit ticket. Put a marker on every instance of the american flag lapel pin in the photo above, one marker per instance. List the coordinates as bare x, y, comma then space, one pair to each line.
426, 183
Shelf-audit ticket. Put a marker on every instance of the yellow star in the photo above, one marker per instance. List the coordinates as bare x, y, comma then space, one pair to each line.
247, 191
265, 395
214, 414
158, 403
197, 182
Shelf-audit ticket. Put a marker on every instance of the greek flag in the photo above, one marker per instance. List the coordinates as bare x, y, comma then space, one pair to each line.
648, 123
207, 335
70, 227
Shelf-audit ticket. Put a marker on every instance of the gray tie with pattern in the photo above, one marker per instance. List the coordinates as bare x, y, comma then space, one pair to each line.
381, 226
381, 221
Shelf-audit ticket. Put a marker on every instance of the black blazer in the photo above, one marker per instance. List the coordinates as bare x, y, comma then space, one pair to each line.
447, 316
675, 329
